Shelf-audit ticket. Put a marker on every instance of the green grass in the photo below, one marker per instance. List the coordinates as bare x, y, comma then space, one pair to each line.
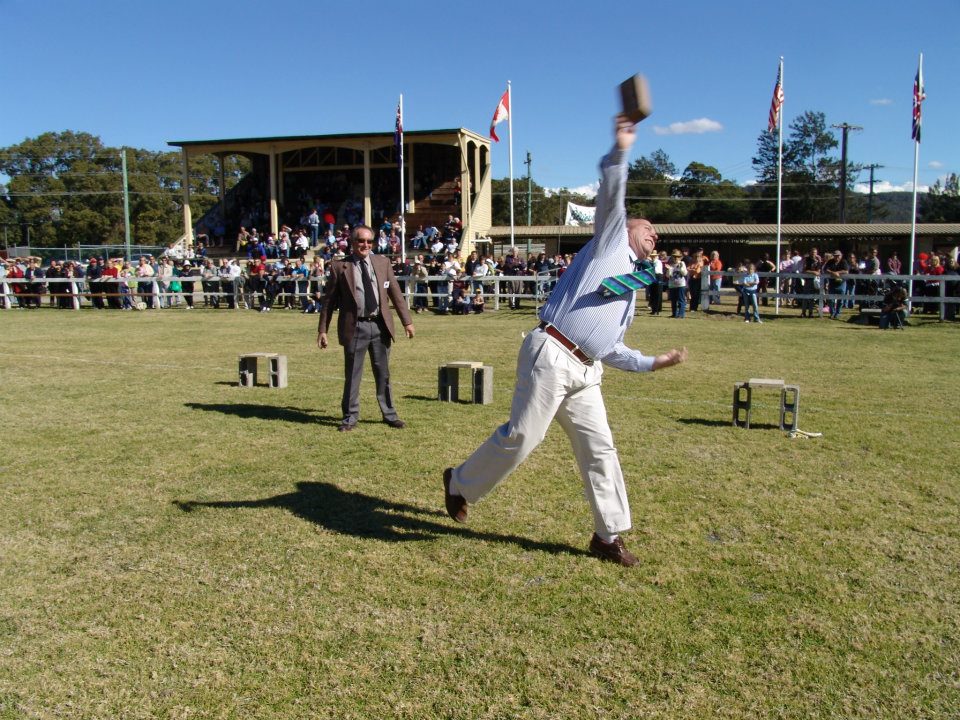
174, 546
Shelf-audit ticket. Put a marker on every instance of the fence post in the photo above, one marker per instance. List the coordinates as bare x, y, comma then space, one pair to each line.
943, 295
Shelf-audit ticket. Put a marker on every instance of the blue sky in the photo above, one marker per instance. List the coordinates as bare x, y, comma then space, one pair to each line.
143, 73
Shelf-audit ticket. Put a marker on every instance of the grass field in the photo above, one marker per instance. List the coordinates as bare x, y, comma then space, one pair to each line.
174, 546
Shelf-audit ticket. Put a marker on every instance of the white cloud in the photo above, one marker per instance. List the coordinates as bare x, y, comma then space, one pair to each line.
881, 101
887, 186
590, 189
689, 127
935, 164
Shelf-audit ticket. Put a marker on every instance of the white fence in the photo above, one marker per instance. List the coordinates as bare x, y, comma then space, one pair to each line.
432, 291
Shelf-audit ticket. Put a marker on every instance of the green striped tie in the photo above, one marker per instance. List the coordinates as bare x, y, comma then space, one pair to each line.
642, 276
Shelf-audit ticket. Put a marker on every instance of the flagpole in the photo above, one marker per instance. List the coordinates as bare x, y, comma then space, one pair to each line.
510, 150
779, 186
918, 90
403, 203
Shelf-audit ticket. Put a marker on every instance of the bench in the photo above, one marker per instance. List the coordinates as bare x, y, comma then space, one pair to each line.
743, 399
277, 365
481, 381
868, 316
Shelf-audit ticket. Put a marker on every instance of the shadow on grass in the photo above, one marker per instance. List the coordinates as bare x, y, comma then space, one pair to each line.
726, 423
266, 412
370, 517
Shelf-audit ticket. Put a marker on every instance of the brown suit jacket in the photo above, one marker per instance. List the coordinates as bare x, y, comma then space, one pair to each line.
339, 294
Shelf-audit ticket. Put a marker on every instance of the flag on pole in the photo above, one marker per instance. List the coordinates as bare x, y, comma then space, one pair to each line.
773, 121
918, 97
398, 133
500, 114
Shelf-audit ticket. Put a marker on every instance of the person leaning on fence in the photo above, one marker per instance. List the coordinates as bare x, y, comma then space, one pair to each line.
811, 283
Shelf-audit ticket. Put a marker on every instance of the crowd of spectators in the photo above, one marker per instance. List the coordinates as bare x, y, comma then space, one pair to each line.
276, 274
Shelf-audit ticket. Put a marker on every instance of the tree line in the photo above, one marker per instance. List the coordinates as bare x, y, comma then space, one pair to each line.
65, 188
700, 194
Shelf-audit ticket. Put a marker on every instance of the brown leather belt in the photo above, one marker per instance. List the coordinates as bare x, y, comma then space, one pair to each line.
566, 342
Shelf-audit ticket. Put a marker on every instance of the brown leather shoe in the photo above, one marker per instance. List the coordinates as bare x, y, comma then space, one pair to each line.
612, 551
398, 423
456, 505
345, 427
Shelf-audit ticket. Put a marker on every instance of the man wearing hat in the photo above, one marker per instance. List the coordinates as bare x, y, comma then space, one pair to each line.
835, 270
94, 274
560, 366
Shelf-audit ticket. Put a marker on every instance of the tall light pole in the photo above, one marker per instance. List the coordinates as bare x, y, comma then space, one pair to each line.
126, 200
846, 128
529, 161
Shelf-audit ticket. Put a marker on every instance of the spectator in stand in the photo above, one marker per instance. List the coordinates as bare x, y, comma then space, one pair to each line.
94, 276
144, 274
435, 271
694, 273
677, 284
313, 222
419, 240
765, 265
513, 265
811, 283
835, 271
479, 271
243, 240
893, 264
853, 285
458, 299
394, 243
420, 274
186, 274
330, 220
655, 289
317, 279
951, 290
437, 247
209, 283
935, 269
749, 287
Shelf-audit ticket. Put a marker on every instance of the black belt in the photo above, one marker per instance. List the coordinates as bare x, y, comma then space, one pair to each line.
566, 342
368, 318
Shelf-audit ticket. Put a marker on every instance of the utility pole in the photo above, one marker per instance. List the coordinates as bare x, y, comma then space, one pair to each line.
871, 167
529, 199
845, 127
126, 200
529, 189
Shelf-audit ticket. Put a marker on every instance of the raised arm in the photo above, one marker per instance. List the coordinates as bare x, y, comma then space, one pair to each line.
610, 219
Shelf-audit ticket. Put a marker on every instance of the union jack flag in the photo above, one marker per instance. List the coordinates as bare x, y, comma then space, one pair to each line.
918, 97
773, 120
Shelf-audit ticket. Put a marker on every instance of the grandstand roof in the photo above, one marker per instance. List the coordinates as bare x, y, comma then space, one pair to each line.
327, 138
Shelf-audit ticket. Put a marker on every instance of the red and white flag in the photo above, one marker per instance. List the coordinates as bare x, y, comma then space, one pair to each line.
773, 119
500, 114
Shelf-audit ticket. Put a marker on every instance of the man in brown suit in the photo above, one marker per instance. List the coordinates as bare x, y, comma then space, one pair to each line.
361, 287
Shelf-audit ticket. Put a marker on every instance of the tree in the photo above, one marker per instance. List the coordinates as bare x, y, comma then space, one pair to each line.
942, 202
810, 174
649, 189
547, 207
709, 197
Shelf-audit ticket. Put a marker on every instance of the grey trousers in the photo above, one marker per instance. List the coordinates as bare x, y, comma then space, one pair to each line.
369, 337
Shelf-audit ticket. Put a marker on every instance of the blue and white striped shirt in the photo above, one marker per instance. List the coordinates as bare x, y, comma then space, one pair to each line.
597, 324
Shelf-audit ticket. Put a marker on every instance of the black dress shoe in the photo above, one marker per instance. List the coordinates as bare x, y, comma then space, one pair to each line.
456, 505
612, 551
398, 424
345, 427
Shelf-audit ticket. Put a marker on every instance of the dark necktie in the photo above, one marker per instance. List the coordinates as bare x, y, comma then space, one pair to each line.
369, 294
642, 276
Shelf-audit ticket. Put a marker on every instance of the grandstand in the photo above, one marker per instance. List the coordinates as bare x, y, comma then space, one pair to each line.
354, 176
